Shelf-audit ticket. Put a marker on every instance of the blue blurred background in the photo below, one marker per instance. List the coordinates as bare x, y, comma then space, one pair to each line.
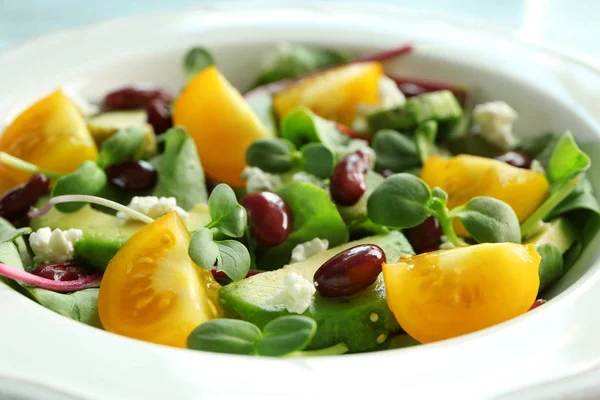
567, 24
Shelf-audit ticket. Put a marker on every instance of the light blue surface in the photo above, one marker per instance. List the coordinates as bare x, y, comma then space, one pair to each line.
572, 24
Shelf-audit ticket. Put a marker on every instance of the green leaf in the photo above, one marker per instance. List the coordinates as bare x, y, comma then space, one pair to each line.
473, 144
302, 126
395, 151
318, 160
313, 216
552, 265
80, 306
225, 212
88, 179
424, 138
535, 145
271, 155
231, 336
179, 170
567, 160
489, 220
286, 334
438, 193
291, 61
401, 201
120, 146
195, 60
203, 250
582, 198
261, 102
234, 259
11, 234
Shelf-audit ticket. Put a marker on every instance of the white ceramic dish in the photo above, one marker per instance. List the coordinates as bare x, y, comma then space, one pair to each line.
550, 91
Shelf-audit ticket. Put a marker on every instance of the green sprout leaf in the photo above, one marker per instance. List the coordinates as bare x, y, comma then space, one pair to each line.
120, 146
203, 250
424, 138
285, 335
401, 201
489, 220
88, 179
231, 336
234, 259
317, 160
271, 155
195, 60
395, 151
226, 213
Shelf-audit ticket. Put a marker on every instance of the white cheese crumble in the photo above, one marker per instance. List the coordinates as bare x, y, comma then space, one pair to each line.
154, 207
55, 246
495, 121
258, 180
389, 97
446, 244
308, 249
296, 296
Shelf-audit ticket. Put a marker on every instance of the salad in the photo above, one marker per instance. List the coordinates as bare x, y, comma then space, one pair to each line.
333, 208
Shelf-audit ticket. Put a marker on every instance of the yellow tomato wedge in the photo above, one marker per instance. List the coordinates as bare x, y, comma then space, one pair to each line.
447, 293
51, 134
335, 93
153, 291
464, 177
221, 123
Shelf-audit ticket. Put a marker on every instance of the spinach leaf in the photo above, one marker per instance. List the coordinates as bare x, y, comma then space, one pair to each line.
231, 336
302, 126
424, 138
234, 259
473, 144
121, 146
535, 145
582, 198
285, 335
271, 155
395, 151
179, 170
225, 212
313, 216
261, 102
489, 220
317, 160
88, 179
567, 160
551, 266
195, 60
401, 201
11, 234
292, 61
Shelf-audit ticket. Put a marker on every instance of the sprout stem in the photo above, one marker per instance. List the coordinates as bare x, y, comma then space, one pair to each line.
25, 166
334, 350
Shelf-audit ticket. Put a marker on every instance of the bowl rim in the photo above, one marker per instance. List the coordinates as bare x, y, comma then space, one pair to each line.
569, 57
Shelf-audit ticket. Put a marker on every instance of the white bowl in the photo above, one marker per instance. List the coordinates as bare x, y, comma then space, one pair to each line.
42, 352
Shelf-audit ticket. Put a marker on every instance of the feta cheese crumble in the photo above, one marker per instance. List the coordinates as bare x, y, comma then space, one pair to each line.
446, 243
258, 180
389, 97
495, 121
154, 207
296, 296
308, 249
55, 246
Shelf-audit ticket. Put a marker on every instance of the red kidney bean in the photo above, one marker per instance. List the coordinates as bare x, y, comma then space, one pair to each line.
348, 184
411, 89
269, 218
350, 271
132, 97
68, 271
159, 115
515, 158
15, 203
425, 237
132, 175
537, 303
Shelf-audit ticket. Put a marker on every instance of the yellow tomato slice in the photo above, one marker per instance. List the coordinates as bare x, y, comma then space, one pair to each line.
51, 134
464, 177
221, 123
447, 293
335, 93
153, 291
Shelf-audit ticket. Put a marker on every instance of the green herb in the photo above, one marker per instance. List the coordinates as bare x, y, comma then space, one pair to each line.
535, 145
225, 212
404, 201
271, 155
121, 146
313, 216
473, 144
234, 259
317, 160
302, 126
261, 102
88, 179
582, 198
292, 61
11, 234
24, 166
195, 60
424, 138
395, 151
203, 250
552, 264
179, 170
283, 336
